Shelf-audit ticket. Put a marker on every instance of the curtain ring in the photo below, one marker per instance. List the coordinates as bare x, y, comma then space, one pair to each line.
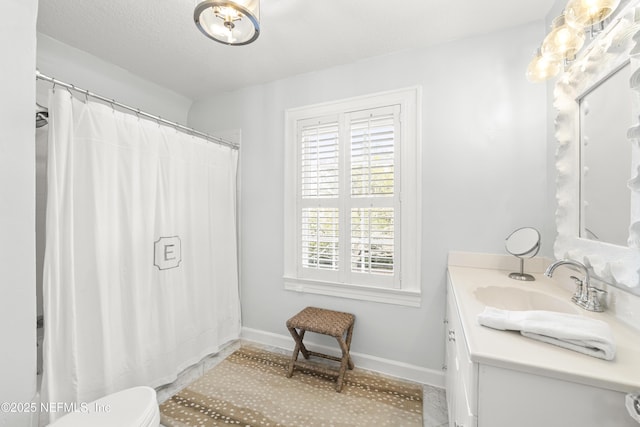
138, 113
113, 109
86, 96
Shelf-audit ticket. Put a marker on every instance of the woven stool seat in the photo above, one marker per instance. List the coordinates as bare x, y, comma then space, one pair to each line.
321, 321
327, 322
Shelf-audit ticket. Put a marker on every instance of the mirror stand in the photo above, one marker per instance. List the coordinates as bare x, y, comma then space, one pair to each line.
522, 275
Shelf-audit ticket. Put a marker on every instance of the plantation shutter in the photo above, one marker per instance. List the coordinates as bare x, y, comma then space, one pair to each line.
372, 155
374, 201
348, 202
319, 160
319, 191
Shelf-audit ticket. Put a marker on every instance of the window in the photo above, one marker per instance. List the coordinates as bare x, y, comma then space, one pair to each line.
352, 198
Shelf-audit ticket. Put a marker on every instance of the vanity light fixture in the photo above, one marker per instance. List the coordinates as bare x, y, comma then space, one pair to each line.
586, 13
229, 22
567, 36
542, 67
564, 41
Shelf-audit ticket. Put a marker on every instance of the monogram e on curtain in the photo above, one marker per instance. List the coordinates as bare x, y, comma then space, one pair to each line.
140, 277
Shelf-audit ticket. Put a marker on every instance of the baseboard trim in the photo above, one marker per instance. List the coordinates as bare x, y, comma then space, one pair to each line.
373, 363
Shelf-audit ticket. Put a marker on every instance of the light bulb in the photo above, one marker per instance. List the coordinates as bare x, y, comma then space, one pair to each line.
563, 41
585, 13
542, 68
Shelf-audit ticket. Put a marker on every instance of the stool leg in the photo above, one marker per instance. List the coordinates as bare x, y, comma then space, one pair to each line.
303, 349
349, 335
299, 347
346, 361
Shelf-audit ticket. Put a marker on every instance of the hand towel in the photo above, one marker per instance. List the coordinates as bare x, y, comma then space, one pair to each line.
578, 333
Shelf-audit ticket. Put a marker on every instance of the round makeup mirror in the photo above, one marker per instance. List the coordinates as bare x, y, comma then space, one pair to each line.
523, 243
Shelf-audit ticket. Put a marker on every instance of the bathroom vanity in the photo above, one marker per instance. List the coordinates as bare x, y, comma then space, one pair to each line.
501, 379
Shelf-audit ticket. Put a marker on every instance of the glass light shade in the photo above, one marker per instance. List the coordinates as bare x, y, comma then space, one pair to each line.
564, 41
229, 22
584, 13
542, 68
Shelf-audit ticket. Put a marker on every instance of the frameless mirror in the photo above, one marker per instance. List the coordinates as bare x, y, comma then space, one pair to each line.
523, 243
598, 154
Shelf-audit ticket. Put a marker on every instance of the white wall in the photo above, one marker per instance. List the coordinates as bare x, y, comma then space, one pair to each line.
17, 201
484, 174
86, 71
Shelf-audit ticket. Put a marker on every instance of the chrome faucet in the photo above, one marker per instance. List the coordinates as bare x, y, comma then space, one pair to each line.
586, 296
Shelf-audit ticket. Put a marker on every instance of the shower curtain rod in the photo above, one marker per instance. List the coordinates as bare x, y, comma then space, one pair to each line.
158, 119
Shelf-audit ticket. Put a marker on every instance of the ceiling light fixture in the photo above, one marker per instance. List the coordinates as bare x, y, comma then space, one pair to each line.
229, 22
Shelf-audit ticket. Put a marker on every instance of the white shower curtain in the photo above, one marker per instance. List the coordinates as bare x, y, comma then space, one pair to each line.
140, 276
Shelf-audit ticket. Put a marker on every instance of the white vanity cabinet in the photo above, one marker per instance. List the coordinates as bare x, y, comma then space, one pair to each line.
488, 388
462, 373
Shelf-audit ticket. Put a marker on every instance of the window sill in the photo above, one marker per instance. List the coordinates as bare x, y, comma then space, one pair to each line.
364, 293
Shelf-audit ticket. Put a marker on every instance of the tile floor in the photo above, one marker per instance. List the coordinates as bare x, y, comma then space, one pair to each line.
434, 401
434, 407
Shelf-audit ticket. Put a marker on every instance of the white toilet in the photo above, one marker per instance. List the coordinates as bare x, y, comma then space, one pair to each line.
133, 407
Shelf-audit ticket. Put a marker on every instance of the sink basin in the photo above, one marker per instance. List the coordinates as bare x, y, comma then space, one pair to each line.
522, 299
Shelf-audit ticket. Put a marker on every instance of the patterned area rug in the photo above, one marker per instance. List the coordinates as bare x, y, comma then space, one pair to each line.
251, 388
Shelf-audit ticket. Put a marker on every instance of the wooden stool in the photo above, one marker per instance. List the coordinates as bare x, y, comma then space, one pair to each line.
326, 322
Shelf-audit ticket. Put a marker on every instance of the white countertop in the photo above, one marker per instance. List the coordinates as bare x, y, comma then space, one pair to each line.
509, 349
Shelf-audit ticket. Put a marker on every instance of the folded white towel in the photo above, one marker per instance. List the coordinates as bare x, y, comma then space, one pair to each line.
577, 333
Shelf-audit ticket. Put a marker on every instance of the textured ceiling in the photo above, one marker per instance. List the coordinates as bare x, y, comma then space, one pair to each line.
157, 39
